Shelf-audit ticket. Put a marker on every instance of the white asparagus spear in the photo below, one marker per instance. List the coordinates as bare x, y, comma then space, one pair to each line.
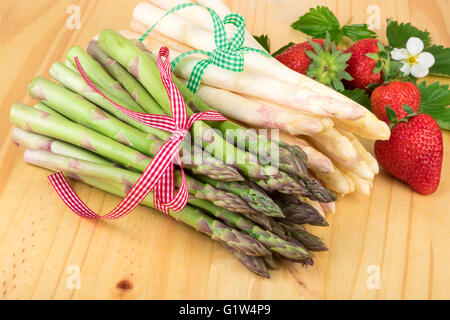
337, 181
361, 185
363, 153
247, 82
317, 161
368, 127
157, 36
259, 114
334, 143
327, 123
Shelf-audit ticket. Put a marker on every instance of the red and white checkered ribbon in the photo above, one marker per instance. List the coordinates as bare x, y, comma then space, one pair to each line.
159, 175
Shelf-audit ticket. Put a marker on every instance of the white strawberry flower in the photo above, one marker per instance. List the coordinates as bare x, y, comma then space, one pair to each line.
414, 61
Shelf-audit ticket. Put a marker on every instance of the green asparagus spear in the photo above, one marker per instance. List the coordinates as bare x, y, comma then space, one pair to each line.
271, 263
100, 77
310, 241
133, 86
256, 265
298, 211
36, 141
43, 107
253, 195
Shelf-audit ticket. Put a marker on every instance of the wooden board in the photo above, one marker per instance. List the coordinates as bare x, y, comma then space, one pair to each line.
149, 256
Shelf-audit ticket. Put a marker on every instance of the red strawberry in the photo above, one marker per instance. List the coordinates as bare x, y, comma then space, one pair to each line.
296, 58
320, 60
395, 95
414, 152
360, 66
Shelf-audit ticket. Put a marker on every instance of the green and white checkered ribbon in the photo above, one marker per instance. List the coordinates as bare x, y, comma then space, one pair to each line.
228, 54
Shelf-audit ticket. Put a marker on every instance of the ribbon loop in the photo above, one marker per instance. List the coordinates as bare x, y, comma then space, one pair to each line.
159, 174
228, 54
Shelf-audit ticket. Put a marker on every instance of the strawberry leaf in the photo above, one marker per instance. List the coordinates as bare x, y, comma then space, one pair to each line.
392, 116
435, 101
408, 109
358, 32
320, 20
441, 65
290, 44
398, 34
264, 41
372, 55
317, 22
359, 96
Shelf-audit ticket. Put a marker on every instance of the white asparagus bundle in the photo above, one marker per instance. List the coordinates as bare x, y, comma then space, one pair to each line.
247, 82
363, 153
354, 117
259, 114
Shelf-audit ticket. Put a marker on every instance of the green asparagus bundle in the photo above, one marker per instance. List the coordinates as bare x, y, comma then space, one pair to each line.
247, 200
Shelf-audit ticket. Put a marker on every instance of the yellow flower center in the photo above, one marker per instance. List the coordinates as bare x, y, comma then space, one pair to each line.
411, 60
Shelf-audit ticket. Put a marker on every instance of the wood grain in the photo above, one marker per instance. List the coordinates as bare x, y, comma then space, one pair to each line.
149, 256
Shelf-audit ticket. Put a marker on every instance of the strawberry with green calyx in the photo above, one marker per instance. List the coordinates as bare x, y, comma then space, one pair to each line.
367, 64
319, 59
414, 152
394, 94
328, 64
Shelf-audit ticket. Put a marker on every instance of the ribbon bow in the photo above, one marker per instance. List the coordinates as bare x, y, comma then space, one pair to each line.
159, 174
228, 54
